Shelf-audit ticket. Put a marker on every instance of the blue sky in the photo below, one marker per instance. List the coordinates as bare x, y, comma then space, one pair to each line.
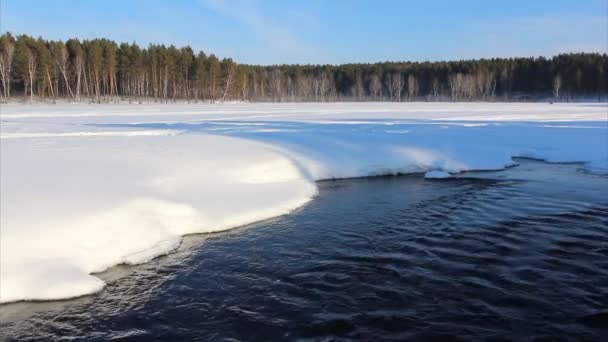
326, 31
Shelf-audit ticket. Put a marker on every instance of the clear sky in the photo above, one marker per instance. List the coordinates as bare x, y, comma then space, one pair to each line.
326, 31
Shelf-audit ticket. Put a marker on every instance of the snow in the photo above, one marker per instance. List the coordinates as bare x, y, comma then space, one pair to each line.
85, 187
78, 205
435, 174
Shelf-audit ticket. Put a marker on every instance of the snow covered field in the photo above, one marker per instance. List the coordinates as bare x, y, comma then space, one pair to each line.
85, 187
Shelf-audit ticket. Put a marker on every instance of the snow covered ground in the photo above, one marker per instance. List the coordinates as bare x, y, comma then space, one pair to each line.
85, 187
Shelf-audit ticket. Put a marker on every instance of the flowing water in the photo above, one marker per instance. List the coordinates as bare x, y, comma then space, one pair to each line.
518, 254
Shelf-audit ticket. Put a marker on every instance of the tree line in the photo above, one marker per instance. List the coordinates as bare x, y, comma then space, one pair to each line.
100, 70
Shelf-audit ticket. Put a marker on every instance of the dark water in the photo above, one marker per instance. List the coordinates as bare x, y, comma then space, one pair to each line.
520, 254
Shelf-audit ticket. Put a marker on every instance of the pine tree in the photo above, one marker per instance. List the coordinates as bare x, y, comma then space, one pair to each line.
213, 70
25, 63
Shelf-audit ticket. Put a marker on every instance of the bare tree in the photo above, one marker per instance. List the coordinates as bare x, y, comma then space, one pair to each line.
397, 84
375, 86
456, 85
463, 87
228, 81
468, 87
305, 87
31, 71
485, 83
7, 51
60, 55
557, 84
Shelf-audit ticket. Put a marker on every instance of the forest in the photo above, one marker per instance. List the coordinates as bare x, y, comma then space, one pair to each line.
103, 71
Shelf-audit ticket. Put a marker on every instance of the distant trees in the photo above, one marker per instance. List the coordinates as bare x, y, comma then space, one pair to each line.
101, 70
478, 86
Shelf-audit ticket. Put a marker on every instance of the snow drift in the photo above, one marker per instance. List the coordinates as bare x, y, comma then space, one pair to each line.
86, 187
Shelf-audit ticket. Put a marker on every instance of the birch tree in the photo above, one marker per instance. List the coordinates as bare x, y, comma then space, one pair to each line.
60, 55
7, 51
397, 85
229, 68
557, 84
375, 86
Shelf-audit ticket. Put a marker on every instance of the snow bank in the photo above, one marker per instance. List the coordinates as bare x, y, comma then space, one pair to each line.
86, 187
72, 206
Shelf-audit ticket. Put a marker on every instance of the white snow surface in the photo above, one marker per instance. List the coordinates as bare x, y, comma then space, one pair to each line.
85, 187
